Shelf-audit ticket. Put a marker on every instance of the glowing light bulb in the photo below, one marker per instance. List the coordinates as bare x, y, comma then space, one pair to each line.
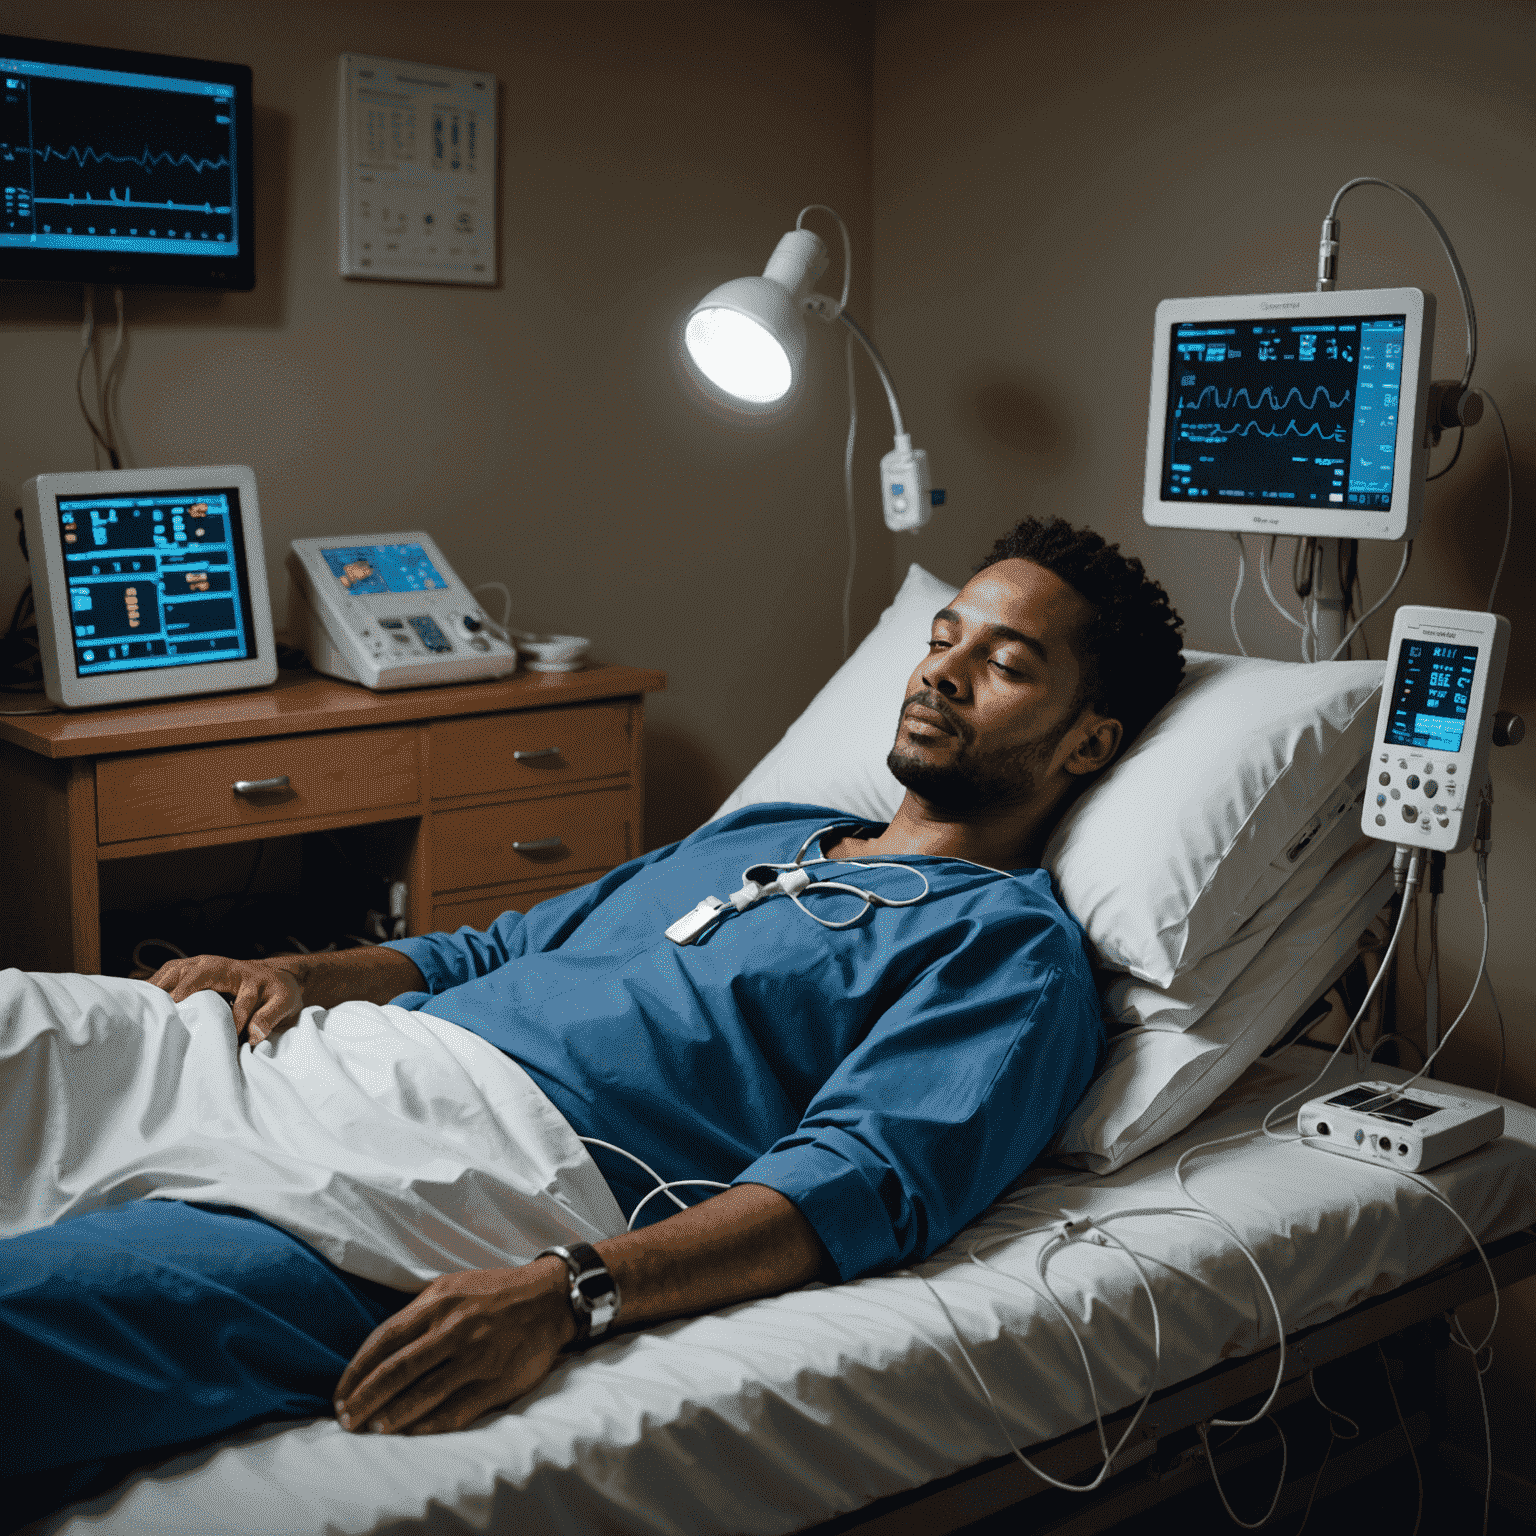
740, 356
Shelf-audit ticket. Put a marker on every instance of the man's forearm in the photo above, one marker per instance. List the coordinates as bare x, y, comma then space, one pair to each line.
369, 975
745, 1242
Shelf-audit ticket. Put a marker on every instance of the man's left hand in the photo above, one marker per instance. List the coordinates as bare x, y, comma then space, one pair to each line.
468, 1344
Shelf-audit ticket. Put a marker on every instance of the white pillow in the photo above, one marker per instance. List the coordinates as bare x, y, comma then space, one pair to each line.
1218, 802
1160, 1078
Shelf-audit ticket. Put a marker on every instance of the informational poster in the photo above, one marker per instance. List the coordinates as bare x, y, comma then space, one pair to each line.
418, 172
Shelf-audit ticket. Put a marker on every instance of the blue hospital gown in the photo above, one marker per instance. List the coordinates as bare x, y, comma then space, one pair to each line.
891, 1078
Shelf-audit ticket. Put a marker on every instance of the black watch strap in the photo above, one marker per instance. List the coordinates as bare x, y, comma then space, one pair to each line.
593, 1292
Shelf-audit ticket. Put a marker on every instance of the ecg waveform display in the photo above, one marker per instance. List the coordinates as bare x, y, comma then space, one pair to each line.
105, 160
1304, 412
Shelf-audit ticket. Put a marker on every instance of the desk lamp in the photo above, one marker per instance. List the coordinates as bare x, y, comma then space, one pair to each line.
747, 338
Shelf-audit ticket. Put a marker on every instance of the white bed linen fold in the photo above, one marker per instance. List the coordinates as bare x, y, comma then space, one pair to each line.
775, 1415
399, 1145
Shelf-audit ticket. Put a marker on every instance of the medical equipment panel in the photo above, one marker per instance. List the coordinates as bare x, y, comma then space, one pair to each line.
149, 583
1415, 1131
1429, 755
124, 167
1291, 413
388, 611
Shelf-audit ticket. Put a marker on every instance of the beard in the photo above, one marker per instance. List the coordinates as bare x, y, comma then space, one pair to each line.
972, 781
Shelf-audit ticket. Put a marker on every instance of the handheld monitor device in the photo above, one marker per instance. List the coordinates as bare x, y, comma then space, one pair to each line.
388, 611
124, 167
1415, 1131
1429, 755
1291, 413
149, 583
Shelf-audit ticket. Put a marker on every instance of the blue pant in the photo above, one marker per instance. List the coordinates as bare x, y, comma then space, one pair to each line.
132, 1332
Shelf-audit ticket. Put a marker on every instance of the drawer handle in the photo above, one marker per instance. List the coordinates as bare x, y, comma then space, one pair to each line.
261, 786
539, 845
536, 755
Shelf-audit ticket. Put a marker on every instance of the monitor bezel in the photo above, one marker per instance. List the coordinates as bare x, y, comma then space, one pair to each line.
1398, 521
50, 588
201, 267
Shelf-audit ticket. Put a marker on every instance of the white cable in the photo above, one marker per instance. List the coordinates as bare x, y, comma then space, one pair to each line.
1285, 613
1334, 1434
1237, 591
593, 1141
842, 303
853, 526
666, 1189
1509, 513
106, 384
1396, 582
506, 598
1418, 1471
1459, 1339
1450, 253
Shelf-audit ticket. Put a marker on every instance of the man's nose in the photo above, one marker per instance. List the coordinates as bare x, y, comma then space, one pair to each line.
945, 673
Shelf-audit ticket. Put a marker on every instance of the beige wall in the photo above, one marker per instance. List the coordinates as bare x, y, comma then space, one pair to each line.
1045, 173
540, 431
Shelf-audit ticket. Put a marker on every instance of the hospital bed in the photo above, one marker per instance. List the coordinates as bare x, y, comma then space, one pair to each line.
1223, 890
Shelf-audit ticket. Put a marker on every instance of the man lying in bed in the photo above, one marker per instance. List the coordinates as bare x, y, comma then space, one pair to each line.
865, 1072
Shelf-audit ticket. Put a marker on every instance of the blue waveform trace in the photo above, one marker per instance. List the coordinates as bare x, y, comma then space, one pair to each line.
1216, 433
146, 161
1253, 405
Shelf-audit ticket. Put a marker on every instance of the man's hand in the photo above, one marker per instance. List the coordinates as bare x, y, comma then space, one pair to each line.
468, 1344
263, 997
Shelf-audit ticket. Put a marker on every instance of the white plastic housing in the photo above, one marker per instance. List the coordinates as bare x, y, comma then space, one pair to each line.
1419, 792
905, 493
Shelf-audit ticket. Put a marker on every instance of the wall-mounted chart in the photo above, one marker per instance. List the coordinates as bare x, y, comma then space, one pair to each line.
418, 172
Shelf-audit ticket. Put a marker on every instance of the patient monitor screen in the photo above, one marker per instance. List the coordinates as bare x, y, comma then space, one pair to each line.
1430, 695
155, 580
1298, 411
364, 569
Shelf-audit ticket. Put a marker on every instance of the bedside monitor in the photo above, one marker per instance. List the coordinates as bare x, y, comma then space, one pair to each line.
1291, 413
149, 583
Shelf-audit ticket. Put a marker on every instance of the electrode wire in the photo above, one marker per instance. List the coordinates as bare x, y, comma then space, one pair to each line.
1334, 1435
1266, 554
1237, 591
1418, 1471
1397, 581
1509, 510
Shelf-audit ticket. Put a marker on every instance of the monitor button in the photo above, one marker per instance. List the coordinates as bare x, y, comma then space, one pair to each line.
1410, 813
1431, 789
1413, 781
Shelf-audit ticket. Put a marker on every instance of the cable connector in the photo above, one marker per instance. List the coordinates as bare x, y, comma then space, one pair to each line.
1407, 868
1482, 839
1328, 256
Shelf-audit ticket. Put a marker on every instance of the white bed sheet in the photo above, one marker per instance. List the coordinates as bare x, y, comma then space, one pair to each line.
775, 1415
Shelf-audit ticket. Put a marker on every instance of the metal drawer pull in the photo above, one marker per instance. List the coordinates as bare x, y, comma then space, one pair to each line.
539, 845
261, 786
535, 755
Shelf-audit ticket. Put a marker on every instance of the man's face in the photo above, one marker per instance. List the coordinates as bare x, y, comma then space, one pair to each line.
988, 716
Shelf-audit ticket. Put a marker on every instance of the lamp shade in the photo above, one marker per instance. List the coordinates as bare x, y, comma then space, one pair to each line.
747, 337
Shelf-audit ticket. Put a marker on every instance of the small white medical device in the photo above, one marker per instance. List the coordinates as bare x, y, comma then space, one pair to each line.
387, 610
1429, 755
1418, 1130
1291, 413
149, 583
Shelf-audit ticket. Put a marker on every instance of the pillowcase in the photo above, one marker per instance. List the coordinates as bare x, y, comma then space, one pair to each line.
1220, 800
1159, 1078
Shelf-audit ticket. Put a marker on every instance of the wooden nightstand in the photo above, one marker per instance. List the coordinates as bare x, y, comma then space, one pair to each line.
508, 792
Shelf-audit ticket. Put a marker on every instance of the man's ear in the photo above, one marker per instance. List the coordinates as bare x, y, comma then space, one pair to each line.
1098, 739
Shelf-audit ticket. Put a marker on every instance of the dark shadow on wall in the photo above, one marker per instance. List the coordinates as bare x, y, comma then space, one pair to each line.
1022, 416
684, 784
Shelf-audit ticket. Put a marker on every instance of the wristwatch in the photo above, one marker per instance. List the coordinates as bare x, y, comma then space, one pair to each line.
594, 1294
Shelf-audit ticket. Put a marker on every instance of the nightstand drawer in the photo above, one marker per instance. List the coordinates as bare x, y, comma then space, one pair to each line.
534, 749
496, 844
191, 789
479, 909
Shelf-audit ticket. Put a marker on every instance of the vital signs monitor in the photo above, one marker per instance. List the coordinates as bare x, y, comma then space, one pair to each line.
388, 611
1291, 413
149, 583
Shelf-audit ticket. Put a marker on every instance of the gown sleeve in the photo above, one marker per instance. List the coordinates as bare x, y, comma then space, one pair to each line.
958, 1087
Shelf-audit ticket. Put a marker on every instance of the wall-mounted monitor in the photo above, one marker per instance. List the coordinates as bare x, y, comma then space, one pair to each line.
1291, 413
149, 583
121, 168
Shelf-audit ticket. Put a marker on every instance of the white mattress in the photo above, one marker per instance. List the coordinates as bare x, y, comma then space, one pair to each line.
775, 1415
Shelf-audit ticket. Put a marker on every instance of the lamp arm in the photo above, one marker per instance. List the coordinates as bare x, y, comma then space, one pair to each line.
880, 368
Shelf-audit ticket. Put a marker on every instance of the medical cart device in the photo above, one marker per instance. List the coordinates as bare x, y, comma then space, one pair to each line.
1417, 1130
388, 611
1434, 726
148, 583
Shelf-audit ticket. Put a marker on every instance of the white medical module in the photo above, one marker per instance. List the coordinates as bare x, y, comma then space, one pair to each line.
387, 610
1429, 756
1417, 1130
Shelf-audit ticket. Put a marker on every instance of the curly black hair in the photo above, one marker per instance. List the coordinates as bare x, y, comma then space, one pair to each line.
1131, 650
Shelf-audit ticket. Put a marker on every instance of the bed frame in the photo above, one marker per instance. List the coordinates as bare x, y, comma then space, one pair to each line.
1165, 1456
